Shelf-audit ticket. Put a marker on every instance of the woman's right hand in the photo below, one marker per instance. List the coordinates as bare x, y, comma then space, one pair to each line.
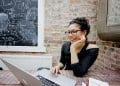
55, 70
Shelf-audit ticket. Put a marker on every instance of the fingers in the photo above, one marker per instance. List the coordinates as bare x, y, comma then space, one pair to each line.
55, 70
83, 38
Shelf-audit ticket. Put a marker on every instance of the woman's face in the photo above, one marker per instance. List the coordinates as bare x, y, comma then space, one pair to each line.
74, 33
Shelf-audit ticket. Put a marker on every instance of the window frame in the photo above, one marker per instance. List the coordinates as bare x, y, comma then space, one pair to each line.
106, 33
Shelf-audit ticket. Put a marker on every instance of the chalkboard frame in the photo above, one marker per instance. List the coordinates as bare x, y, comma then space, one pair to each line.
106, 33
40, 47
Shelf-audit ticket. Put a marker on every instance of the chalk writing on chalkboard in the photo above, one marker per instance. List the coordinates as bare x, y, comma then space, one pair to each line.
18, 23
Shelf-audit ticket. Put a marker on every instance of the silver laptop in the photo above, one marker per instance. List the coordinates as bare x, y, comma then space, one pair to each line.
40, 78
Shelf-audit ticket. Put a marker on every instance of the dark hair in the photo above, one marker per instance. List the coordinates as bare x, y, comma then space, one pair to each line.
83, 22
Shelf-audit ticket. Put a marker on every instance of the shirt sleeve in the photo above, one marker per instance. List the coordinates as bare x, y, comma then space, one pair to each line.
80, 68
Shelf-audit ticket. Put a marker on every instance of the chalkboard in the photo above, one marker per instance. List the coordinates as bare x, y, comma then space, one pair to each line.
18, 22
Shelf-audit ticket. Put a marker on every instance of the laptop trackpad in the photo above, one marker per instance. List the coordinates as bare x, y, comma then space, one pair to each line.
60, 79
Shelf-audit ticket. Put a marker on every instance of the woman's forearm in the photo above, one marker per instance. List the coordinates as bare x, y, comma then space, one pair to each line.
74, 57
74, 51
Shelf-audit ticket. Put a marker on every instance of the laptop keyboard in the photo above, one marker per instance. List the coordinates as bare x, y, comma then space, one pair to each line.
47, 82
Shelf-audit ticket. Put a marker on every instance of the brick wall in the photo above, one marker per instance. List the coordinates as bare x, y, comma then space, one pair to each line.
58, 13
109, 56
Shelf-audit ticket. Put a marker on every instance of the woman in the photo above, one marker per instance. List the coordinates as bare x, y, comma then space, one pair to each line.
77, 54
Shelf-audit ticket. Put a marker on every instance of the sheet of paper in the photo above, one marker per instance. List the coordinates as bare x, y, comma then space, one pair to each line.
95, 82
84, 84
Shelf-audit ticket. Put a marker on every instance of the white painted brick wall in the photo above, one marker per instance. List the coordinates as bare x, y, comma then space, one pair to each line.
27, 62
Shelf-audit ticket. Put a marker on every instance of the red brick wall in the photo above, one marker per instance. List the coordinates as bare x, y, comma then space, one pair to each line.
109, 55
58, 13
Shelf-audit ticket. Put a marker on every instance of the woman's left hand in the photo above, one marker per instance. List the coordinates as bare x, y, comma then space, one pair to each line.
78, 45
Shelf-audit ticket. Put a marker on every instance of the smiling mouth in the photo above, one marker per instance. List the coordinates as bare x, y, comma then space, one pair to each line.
72, 39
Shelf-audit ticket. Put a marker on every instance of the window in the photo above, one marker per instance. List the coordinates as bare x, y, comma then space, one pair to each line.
108, 16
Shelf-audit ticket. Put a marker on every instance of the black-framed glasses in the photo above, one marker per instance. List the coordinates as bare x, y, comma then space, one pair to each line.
71, 31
